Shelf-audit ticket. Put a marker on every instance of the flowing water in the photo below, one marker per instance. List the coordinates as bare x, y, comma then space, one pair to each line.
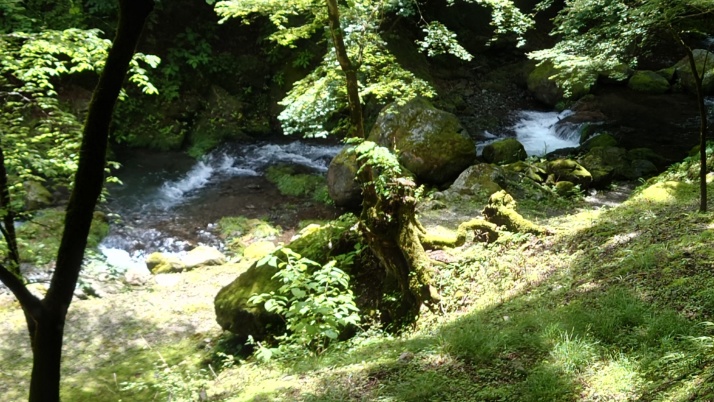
544, 132
169, 202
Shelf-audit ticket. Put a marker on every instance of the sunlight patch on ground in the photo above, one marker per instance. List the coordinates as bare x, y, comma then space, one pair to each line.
615, 380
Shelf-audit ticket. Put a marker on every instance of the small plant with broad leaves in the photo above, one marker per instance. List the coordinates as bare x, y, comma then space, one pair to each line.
314, 299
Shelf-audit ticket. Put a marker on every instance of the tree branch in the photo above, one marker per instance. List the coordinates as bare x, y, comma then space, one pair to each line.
29, 302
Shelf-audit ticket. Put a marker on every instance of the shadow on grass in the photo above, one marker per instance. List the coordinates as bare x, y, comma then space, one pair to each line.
104, 350
623, 322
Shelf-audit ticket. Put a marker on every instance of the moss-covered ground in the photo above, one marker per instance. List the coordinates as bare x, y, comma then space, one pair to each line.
613, 304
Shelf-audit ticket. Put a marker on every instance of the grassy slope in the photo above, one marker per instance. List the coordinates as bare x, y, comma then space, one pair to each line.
609, 308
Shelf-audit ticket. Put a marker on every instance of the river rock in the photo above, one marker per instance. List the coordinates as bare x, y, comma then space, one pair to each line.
36, 196
235, 314
203, 256
504, 151
704, 60
160, 263
569, 170
478, 179
604, 163
342, 184
600, 140
545, 89
649, 82
431, 143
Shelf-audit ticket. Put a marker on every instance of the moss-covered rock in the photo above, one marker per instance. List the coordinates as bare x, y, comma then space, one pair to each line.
704, 61
479, 179
545, 89
235, 314
431, 143
648, 155
440, 237
504, 151
36, 196
648, 82
316, 242
564, 188
342, 185
160, 263
603, 163
501, 211
600, 140
570, 170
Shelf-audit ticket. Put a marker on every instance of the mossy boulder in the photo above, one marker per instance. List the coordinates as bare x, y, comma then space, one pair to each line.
478, 179
704, 61
604, 163
546, 90
342, 185
316, 242
160, 263
648, 82
235, 314
504, 151
600, 140
570, 170
501, 212
648, 155
617, 74
431, 143
564, 188
36, 196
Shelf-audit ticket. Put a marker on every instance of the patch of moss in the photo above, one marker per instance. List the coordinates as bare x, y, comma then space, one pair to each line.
292, 183
39, 237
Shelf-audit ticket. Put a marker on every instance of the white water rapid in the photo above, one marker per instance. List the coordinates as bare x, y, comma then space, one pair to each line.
540, 133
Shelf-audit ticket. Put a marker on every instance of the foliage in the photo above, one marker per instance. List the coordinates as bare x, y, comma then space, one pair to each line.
688, 169
40, 138
316, 103
179, 383
596, 36
315, 300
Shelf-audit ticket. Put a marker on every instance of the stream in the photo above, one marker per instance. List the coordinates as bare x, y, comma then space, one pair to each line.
169, 202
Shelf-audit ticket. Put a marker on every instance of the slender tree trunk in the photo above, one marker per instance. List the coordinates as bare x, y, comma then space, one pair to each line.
46, 326
702, 123
353, 98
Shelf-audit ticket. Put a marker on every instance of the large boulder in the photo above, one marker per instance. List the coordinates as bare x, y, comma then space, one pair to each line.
36, 196
316, 242
546, 90
342, 183
648, 82
235, 314
504, 151
704, 61
482, 178
431, 143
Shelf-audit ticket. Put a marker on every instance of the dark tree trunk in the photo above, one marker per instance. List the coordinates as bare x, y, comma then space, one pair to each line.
388, 221
46, 326
702, 119
8, 219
